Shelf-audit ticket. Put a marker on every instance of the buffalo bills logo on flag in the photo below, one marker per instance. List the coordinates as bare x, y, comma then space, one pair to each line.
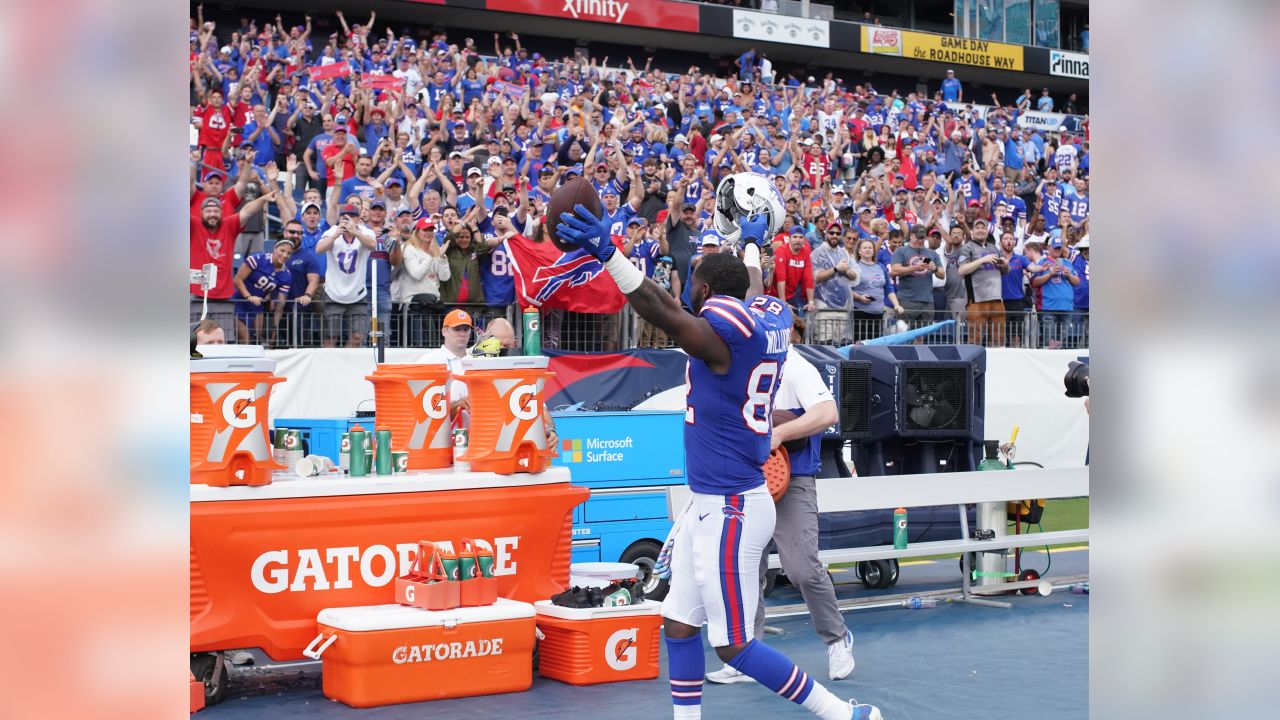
545, 277
571, 270
733, 513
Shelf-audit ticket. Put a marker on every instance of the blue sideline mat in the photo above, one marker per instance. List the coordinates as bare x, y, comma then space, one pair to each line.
954, 662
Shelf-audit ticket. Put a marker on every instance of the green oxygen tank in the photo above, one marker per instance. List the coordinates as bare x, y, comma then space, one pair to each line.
991, 459
532, 332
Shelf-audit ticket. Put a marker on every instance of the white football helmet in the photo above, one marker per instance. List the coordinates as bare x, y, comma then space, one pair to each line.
741, 195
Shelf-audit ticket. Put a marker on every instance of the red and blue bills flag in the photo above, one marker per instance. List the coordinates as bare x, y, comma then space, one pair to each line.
330, 71
548, 278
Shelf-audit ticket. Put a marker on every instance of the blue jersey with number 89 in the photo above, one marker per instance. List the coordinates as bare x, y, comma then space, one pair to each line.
729, 417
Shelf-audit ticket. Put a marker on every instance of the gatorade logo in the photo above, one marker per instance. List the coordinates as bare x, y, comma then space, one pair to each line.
902, 524
533, 324
409, 592
238, 410
620, 649
343, 568
434, 403
446, 651
523, 403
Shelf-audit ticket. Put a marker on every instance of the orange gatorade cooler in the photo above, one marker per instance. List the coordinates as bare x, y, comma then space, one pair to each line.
587, 646
230, 444
509, 425
386, 654
412, 401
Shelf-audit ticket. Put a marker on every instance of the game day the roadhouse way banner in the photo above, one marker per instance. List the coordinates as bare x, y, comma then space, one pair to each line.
657, 14
941, 48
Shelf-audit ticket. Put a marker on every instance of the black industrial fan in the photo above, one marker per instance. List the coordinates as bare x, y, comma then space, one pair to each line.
927, 407
935, 398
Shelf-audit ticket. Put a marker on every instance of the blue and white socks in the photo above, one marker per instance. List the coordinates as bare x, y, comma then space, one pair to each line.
686, 666
773, 670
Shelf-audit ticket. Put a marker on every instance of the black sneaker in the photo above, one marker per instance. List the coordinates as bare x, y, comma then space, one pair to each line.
574, 597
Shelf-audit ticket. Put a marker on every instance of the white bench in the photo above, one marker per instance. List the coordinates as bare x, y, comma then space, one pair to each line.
960, 489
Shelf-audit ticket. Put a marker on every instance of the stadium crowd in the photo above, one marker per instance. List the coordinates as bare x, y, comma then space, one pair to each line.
400, 164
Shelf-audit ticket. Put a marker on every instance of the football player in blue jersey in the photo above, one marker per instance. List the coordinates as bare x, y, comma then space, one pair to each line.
737, 341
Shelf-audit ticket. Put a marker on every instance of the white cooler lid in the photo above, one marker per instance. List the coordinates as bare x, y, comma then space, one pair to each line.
368, 618
505, 363
645, 607
605, 570
232, 358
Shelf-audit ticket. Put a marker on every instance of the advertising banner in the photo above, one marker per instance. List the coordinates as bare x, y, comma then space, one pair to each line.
770, 27
656, 14
1048, 122
1068, 64
961, 51
881, 41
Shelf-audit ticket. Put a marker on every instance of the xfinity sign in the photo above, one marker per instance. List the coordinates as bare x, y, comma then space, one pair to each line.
1068, 64
611, 10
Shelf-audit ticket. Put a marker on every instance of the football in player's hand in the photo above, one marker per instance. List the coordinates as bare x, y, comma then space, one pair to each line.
781, 416
566, 197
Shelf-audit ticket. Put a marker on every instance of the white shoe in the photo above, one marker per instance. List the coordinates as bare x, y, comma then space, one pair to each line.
728, 675
239, 657
864, 712
840, 657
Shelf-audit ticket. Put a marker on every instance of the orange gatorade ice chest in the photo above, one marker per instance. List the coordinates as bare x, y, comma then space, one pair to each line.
230, 444
386, 654
508, 432
412, 402
586, 646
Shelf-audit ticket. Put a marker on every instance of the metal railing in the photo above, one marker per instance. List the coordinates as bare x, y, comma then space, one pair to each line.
1012, 329
409, 326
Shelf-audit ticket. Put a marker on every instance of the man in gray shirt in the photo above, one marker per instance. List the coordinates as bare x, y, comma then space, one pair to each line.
913, 264
833, 275
955, 289
982, 263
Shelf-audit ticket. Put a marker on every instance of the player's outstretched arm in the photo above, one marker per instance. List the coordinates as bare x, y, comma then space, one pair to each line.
655, 305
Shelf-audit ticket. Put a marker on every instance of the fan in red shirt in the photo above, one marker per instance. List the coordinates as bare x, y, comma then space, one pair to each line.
815, 164
213, 240
215, 123
340, 144
793, 272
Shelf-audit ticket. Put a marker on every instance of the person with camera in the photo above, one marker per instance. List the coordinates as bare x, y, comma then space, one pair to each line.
387, 255
1056, 284
423, 268
347, 247
912, 266
981, 262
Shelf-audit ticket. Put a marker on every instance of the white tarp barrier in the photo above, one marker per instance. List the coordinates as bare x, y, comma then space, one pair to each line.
1024, 388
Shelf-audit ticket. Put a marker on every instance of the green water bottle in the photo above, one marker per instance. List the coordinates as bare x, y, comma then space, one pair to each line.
359, 462
900, 529
532, 332
382, 452
991, 459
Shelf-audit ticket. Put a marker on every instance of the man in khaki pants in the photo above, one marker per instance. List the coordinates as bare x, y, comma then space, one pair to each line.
982, 263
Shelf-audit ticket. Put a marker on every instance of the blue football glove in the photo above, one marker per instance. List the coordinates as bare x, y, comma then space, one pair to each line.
754, 228
588, 232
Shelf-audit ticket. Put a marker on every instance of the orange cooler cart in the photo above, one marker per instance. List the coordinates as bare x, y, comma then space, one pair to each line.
265, 560
386, 654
